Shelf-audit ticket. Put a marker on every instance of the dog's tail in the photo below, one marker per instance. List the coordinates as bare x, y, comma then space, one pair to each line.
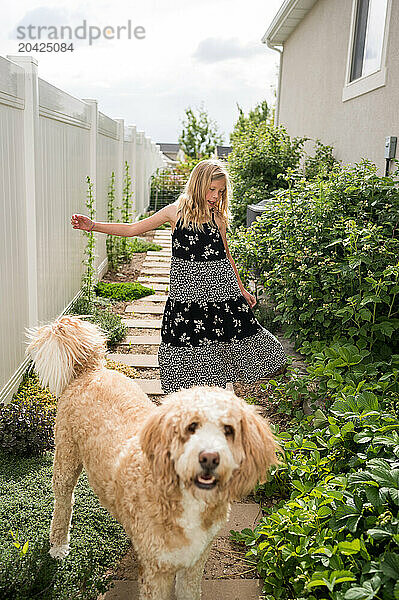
64, 349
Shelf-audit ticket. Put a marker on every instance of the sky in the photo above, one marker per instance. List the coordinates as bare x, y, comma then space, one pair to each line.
182, 53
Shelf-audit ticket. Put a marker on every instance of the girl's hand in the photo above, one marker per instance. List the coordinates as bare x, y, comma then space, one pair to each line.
249, 298
81, 222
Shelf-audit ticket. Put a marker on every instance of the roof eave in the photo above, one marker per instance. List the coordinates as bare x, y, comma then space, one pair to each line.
286, 20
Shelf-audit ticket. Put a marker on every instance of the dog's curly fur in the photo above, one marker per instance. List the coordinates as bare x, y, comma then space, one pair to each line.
167, 473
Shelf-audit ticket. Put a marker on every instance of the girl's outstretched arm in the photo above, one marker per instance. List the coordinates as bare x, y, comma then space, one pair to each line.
123, 229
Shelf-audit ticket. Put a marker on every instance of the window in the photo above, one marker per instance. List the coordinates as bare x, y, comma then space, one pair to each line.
366, 57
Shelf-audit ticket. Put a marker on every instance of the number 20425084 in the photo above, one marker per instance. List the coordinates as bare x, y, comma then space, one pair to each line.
45, 47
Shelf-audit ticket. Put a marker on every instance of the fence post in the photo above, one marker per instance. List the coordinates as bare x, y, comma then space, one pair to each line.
133, 133
120, 165
31, 130
93, 116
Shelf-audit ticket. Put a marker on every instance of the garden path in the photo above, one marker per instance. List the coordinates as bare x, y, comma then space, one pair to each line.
227, 572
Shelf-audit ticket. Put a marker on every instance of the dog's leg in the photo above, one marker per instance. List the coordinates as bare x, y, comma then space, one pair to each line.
66, 471
188, 581
155, 584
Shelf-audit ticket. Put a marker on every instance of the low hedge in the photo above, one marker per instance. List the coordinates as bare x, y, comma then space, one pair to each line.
122, 291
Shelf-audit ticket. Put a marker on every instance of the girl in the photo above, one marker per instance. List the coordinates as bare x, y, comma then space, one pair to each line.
209, 334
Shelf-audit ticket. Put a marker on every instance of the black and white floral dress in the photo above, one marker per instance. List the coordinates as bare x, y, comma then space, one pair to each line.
209, 334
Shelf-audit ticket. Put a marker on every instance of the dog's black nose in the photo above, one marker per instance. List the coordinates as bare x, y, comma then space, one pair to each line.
209, 460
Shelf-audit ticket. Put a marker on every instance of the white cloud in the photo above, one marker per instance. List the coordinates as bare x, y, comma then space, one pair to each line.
192, 52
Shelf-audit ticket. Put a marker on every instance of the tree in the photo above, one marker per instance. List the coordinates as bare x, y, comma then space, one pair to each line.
199, 136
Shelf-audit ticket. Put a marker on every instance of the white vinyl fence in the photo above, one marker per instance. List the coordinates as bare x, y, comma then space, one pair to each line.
50, 142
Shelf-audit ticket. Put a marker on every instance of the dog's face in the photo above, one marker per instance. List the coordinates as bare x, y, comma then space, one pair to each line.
209, 441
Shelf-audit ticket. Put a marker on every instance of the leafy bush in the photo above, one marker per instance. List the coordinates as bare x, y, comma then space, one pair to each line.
334, 534
27, 422
327, 255
125, 291
260, 152
321, 163
110, 322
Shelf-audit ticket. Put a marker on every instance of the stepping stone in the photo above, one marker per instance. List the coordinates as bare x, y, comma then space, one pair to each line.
220, 589
135, 360
157, 287
143, 323
152, 298
242, 515
161, 253
151, 386
154, 309
150, 340
151, 280
156, 261
233, 589
160, 266
154, 271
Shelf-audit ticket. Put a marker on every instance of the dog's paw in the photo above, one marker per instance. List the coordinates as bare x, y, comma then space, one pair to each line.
59, 552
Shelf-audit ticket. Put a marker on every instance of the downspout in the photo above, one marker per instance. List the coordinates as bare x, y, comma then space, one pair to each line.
273, 47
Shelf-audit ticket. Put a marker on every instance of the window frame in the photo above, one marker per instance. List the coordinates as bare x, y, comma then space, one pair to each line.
373, 81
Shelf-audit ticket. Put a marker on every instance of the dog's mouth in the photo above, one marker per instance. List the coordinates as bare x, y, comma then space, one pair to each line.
205, 481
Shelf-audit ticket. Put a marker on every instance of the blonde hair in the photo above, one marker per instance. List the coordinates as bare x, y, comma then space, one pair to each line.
192, 205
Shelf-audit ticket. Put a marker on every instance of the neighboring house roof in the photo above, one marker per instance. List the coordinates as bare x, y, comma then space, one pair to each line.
288, 17
173, 151
223, 151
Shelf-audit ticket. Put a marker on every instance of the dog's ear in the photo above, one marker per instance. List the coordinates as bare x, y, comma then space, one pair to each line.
259, 447
156, 439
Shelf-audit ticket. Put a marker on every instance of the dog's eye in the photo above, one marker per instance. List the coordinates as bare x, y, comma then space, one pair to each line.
228, 430
192, 427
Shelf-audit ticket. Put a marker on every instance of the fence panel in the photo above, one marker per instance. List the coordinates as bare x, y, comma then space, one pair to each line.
49, 142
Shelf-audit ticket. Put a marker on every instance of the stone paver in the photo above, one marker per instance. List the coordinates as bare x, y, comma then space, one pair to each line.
151, 386
135, 360
154, 309
153, 279
151, 298
157, 287
161, 253
160, 263
147, 340
143, 323
154, 272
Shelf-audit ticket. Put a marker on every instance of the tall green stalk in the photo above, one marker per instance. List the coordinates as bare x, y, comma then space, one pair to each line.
112, 241
126, 211
88, 277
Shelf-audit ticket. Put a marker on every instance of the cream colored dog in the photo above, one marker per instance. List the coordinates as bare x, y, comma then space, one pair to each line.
167, 473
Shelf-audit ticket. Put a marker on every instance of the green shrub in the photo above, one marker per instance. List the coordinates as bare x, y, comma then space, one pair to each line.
327, 256
126, 291
27, 422
333, 534
260, 152
321, 163
137, 244
110, 322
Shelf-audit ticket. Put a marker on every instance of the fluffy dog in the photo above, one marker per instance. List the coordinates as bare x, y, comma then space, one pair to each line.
167, 473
